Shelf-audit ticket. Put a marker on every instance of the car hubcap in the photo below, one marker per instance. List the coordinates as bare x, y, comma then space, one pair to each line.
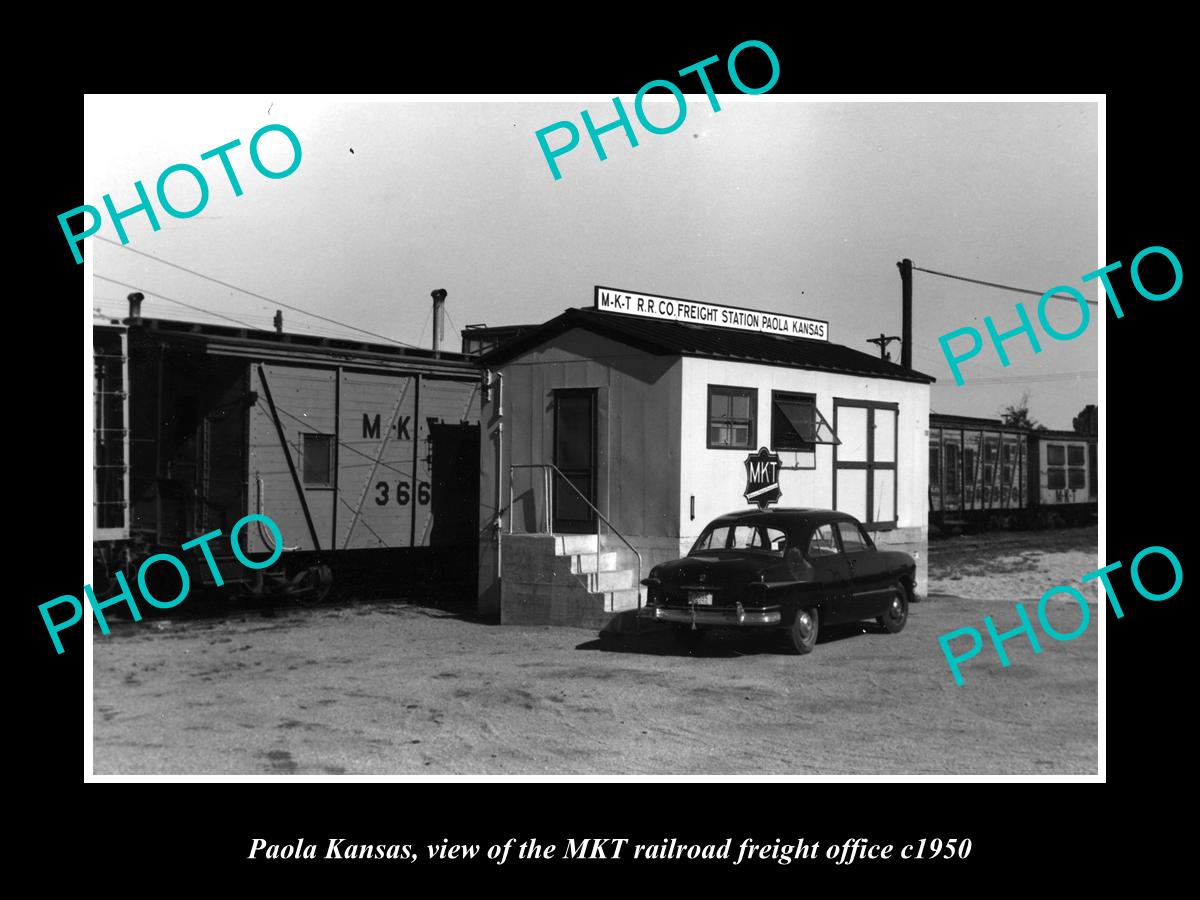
897, 608
805, 621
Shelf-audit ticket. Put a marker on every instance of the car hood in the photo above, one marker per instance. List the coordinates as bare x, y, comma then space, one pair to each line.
720, 570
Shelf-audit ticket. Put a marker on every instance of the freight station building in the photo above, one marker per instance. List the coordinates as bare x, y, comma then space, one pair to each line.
612, 435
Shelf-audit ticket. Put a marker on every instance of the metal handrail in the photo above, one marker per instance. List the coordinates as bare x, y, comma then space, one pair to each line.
547, 468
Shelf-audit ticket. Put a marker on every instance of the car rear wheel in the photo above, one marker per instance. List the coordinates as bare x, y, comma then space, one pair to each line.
803, 630
893, 620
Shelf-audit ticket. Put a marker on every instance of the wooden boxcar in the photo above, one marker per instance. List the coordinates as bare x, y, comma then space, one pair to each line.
985, 474
364, 455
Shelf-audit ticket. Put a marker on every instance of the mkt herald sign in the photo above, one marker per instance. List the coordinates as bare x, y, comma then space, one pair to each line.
692, 312
762, 478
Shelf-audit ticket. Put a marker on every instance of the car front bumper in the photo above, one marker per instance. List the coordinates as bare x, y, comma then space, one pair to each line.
705, 615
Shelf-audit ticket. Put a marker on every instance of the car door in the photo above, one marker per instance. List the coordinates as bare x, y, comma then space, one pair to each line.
832, 571
870, 588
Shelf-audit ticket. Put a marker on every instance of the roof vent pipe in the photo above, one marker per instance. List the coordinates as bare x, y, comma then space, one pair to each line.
439, 306
135, 307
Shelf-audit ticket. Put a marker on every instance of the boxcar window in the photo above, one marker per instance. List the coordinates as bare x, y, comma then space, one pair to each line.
732, 417
822, 542
318, 459
713, 539
952, 467
853, 540
1075, 455
1055, 455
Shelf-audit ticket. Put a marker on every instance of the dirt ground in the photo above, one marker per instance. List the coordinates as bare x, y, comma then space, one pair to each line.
393, 688
1013, 565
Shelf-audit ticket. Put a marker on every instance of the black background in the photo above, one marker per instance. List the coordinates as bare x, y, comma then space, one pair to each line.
201, 833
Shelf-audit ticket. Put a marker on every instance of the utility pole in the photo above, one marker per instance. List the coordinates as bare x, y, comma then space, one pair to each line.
906, 267
883, 340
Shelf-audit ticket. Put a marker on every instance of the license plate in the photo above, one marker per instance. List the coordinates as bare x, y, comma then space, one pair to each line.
700, 599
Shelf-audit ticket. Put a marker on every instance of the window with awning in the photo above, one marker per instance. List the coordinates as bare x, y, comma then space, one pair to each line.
797, 423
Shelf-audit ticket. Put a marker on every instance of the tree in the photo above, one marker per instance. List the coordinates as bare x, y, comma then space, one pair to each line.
1018, 414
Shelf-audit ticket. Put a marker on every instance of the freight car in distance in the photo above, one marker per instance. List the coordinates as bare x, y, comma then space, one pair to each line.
365, 455
985, 474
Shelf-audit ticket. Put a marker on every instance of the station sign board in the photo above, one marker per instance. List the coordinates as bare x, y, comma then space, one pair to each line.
695, 312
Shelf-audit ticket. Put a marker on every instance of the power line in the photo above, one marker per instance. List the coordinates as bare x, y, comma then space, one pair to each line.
1003, 287
234, 287
268, 321
180, 302
1003, 379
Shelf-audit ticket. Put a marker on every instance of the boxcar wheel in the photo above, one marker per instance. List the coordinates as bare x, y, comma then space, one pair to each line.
893, 620
803, 630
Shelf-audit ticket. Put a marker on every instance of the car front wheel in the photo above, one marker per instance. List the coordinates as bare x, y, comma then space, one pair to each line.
893, 620
803, 630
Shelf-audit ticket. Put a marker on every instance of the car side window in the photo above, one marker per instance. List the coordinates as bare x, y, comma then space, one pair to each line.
853, 539
823, 542
758, 537
715, 539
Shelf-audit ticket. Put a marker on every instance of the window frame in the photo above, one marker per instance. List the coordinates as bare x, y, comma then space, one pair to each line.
731, 389
811, 399
304, 449
871, 464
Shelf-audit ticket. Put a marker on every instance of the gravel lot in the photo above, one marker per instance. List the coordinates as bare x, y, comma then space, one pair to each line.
394, 688
1013, 565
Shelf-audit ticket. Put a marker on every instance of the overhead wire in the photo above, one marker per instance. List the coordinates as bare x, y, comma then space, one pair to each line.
1003, 287
234, 287
1004, 379
180, 302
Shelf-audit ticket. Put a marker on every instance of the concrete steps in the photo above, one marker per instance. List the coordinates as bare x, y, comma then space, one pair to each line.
561, 580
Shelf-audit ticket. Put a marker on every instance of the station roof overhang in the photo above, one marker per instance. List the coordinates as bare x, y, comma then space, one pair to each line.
662, 338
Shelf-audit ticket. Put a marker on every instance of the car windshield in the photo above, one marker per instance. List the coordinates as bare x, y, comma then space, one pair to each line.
754, 538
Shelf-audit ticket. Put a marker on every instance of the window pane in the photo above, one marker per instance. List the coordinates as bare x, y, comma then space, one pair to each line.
317, 458
741, 436
718, 405
714, 540
573, 431
718, 435
776, 540
1055, 455
1056, 478
952, 467
793, 423
745, 537
1076, 478
852, 430
1075, 455
741, 406
884, 496
885, 435
852, 492
822, 542
852, 541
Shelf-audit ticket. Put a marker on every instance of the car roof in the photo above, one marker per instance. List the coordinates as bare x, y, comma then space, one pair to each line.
785, 515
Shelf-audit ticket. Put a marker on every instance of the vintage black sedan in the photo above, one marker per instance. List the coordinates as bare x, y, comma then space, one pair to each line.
795, 569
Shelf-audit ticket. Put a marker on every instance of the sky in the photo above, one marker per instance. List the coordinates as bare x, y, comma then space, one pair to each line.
774, 202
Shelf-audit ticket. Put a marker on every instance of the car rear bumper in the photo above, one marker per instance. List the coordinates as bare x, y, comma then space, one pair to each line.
702, 615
